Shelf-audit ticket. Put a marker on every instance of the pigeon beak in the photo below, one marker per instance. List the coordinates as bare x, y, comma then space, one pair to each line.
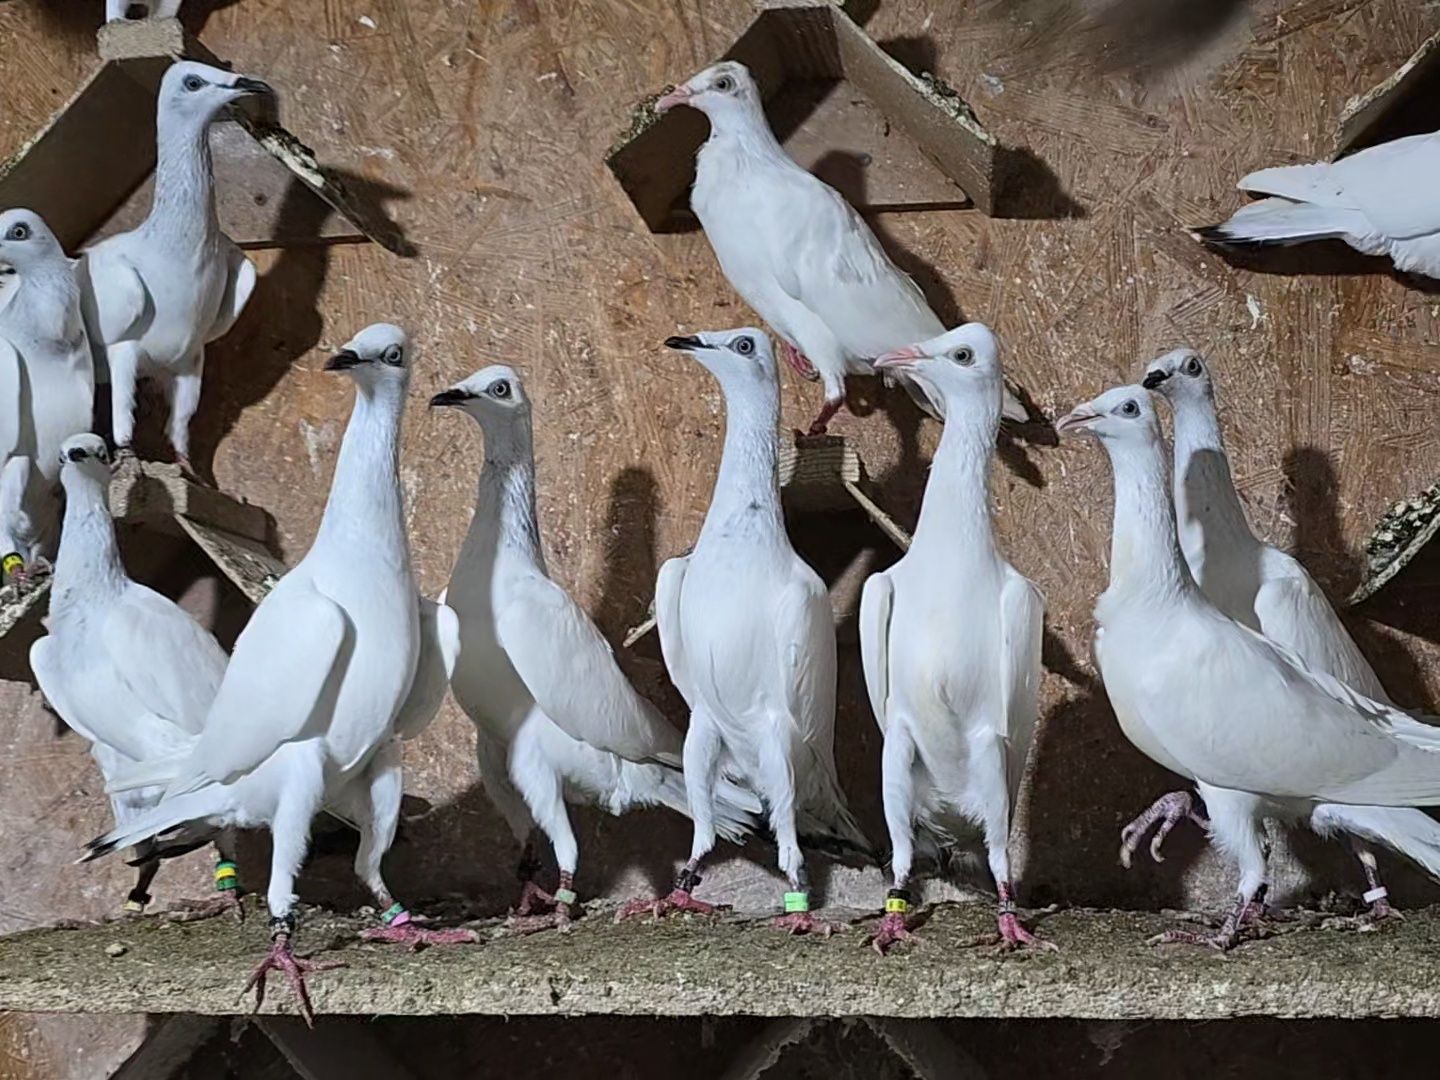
688, 343
1154, 378
450, 398
899, 358
681, 95
344, 360
1076, 421
247, 85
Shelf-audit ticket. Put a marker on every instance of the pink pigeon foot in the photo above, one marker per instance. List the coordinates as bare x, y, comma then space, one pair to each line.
1168, 810
1013, 935
804, 922
282, 958
798, 361
678, 900
822, 421
1242, 918
226, 903
533, 899
401, 929
524, 925
560, 916
892, 931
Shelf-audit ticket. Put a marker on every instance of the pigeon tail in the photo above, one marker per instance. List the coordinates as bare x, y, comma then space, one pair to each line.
180, 811
161, 772
1282, 221
1413, 833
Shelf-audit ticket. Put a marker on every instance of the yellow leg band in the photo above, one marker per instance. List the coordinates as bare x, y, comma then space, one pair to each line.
896, 906
12, 563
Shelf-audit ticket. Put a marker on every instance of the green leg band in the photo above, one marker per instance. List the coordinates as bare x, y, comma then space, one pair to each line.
796, 902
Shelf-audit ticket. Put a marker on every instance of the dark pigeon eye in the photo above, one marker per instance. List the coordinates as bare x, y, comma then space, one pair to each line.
391, 355
18, 231
725, 84
964, 356
1129, 409
192, 82
745, 346
500, 390
1192, 366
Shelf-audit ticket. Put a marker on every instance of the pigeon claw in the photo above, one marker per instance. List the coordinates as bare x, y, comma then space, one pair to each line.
195, 910
678, 900
282, 958
892, 931
417, 937
1168, 810
523, 925
803, 922
533, 899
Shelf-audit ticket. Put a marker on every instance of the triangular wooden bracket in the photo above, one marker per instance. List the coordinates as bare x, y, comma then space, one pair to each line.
233, 534
818, 475
106, 134
1407, 103
886, 139
1397, 538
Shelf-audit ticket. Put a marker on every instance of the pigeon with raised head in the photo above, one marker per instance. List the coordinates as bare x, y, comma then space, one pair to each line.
557, 720
950, 640
795, 250
1380, 201
1253, 582
748, 635
47, 388
319, 676
155, 296
126, 668
1262, 734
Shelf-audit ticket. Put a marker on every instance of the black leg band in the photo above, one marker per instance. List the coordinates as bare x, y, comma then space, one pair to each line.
283, 925
688, 880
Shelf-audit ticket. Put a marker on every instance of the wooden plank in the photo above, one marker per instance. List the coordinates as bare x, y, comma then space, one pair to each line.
248, 564
168, 1047
337, 1048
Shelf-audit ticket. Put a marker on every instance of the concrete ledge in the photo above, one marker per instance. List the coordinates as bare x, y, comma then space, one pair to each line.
740, 966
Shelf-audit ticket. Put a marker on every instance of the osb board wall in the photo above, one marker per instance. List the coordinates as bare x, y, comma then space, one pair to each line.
487, 123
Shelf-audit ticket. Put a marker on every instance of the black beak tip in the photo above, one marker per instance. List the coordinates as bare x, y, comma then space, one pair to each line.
448, 397
687, 342
254, 86
343, 360
1153, 379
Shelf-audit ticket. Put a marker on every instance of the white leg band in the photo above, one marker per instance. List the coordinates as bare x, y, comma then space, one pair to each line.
1377, 893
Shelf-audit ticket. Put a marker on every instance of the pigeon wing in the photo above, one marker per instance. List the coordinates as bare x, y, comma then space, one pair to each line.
439, 649
1022, 622
876, 601
1293, 611
239, 284
113, 297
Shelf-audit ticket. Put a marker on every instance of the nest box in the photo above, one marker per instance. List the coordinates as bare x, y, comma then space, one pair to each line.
842, 107
105, 136
1404, 104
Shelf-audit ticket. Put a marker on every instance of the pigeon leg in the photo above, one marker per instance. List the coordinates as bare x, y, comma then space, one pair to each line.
139, 896
1377, 896
1231, 931
1168, 810
1012, 933
827, 413
897, 790
798, 361
544, 792
282, 958
532, 896
564, 901
678, 899
183, 392
227, 898
123, 358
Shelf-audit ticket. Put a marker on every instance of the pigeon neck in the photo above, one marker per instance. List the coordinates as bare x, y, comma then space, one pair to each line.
747, 128
507, 489
957, 496
746, 487
44, 300
89, 563
1206, 502
1144, 551
364, 517
183, 209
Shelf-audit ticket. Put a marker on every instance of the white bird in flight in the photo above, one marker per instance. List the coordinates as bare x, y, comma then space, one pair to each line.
1221, 705
795, 250
319, 677
155, 296
47, 389
950, 639
1253, 582
748, 635
556, 718
1381, 201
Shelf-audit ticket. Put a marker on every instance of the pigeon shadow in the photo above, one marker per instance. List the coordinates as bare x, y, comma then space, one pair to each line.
1319, 258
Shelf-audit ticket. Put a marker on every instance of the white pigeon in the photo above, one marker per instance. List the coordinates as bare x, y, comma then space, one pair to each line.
1221, 705
47, 388
794, 249
155, 296
1249, 580
556, 718
125, 667
1381, 201
950, 639
134, 10
319, 675
748, 635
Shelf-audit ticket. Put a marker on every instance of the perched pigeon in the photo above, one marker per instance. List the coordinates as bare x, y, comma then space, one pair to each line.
124, 667
1207, 697
1249, 580
154, 297
1381, 201
555, 716
950, 639
319, 675
47, 388
748, 635
794, 249
134, 10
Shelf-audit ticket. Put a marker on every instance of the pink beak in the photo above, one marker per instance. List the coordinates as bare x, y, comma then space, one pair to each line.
681, 95
1076, 420
899, 357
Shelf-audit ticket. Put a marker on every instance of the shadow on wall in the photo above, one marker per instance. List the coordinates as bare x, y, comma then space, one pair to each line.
1320, 258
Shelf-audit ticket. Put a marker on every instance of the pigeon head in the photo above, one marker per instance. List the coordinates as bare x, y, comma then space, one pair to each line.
1179, 375
1124, 415
198, 91
961, 366
724, 89
493, 395
377, 356
85, 456
730, 355
25, 240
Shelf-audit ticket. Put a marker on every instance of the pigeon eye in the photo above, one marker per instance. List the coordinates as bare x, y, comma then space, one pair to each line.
500, 390
18, 231
964, 356
745, 346
725, 84
391, 355
1192, 366
192, 82
1129, 409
